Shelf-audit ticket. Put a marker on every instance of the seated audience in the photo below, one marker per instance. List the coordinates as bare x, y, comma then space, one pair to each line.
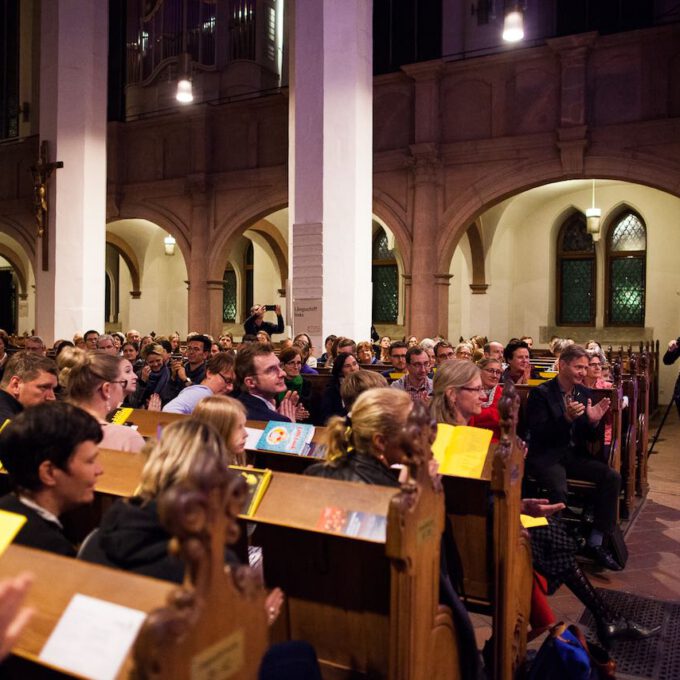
255, 322
397, 358
443, 351
365, 450
35, 344
106, 344
261, 378
325, 358
131, 353
464, 351
411, 341
357, 383
219, 379
385, 343
594, 379
228, 417
175, 344
307, 358
557, 347
342, 345
458, 393
191, 371
365, 353
416, 382
91, 339
331, 403
153, 379
226, 342
490, 371
516, 354
263, 338
292, 362
50, 453
561, 421
96, 382
133, 336
494, 350
29, 379
529, 341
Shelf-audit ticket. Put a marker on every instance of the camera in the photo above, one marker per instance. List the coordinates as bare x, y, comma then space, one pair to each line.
270, 308
176, 357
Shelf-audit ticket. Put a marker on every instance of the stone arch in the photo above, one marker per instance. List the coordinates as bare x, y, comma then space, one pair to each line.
474, 235
125, 251
490, 189
395, 220
20, 233
15, 260
275, 241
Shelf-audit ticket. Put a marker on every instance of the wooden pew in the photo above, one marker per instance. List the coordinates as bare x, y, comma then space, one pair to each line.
57, 580
495, 556
369, 606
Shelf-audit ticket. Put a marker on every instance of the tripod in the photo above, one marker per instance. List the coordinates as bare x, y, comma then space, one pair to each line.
675, 400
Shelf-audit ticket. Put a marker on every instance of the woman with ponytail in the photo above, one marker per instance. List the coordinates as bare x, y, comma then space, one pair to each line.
97, 383
361, 448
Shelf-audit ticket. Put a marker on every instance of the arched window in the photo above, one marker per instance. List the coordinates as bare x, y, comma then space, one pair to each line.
229, 295
626, 265
385, 281
575, 274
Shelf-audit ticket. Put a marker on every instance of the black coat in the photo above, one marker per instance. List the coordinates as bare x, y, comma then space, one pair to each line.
257, 410
9, 407
37, 532
355, 467
550, 434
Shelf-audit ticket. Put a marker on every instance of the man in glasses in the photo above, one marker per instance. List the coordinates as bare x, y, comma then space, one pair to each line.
397, 357
219, 379
192, 371
261, 378
416, 382
444, 351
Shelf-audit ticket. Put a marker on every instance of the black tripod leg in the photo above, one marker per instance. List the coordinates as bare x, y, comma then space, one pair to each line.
675, 400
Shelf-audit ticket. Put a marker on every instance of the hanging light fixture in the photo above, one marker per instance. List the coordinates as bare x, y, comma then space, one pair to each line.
185, 94
513, 24
169, 243
593, 216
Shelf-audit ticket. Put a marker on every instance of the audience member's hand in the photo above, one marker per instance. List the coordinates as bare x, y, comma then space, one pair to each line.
154, 402
540, 507
672, 345
278, 309
596, 412
146, 372
574, 410
273, 603
433, 467
13, 617
301, 413
288, 405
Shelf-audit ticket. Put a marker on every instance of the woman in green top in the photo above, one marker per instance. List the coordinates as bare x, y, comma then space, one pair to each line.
291, 363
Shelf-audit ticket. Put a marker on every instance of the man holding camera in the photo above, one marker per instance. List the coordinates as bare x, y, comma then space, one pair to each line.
255, 322
672, 353
191, 372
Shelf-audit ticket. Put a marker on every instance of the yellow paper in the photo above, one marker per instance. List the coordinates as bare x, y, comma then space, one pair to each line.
10, 523
528, 521
460, 450
121, 415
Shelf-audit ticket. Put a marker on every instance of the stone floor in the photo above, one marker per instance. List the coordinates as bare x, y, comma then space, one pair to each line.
653, 538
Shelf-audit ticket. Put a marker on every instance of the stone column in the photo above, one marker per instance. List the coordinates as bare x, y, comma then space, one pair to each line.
73, 68
426, 308
330, 166
199, 300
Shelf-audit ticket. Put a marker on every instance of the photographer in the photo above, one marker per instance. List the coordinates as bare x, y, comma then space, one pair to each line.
672, 353
255, 322
191, 371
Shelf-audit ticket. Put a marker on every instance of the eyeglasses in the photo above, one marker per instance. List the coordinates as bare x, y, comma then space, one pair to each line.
479, 390
122, 383
293, 362
595, 364
229, 382
446, 355
493, 371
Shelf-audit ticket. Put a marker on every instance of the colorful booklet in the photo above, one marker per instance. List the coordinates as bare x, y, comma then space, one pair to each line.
281, 437
257, 481
461, 450
352, 523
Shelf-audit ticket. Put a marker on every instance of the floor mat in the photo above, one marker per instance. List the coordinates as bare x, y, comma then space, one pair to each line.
657, 658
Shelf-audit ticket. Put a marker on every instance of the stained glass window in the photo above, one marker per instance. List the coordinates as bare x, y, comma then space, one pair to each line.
385, 281
575, 273
626, 270
229, 296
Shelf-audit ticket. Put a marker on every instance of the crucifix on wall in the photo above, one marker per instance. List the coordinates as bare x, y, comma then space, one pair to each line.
41, 173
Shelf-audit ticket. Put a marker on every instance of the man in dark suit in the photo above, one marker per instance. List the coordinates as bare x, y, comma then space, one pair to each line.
261, 378
561, 420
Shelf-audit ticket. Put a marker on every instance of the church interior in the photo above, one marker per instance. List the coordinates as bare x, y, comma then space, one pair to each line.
397, 167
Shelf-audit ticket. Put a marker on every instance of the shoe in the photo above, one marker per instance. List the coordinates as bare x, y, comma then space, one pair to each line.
603, 557
625, 629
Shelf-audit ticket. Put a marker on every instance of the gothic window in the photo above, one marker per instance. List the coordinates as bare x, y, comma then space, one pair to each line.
575, 274
385, 281
229, 295
626, 269
249, 267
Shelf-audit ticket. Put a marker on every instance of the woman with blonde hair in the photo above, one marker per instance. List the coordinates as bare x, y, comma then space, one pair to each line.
228, 417
362, 448
457, 392
98, 383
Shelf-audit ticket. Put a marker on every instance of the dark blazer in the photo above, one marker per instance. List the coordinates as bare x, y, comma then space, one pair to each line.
355, 467
37, 532
256, 410
9, 407
550, 435
671, 355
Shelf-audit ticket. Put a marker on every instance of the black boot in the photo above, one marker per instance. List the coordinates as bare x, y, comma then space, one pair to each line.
609, 624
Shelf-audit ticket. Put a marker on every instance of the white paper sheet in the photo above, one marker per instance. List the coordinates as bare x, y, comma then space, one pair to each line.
92, 637
253, 438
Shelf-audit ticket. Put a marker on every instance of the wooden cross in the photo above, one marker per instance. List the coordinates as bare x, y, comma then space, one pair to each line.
41, 173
